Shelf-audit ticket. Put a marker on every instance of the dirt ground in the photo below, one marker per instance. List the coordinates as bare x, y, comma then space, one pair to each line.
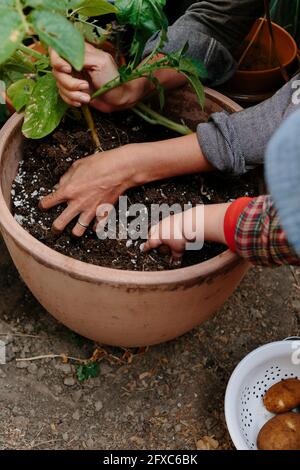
168, 398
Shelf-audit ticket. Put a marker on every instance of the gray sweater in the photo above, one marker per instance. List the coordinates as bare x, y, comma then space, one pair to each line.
213, 29
237, 142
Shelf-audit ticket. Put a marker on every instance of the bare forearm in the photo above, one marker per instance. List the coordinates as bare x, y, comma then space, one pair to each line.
214, 222
166, 159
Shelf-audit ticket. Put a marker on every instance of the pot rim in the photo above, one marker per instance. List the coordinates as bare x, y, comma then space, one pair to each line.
252, 73
98, 274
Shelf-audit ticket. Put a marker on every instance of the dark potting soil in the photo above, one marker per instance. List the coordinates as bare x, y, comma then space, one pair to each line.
258, 59
46, 160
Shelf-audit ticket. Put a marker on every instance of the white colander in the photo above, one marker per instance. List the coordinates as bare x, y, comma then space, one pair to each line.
244, 409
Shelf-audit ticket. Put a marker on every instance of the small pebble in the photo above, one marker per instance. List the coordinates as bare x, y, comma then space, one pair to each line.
22, 365
69, 381
98, 405
65, 368
76, 415
32, 368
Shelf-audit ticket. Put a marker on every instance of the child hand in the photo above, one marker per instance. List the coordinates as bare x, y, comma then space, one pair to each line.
177, 231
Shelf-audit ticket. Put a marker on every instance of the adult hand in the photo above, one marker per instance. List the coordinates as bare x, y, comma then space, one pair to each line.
99, 69
103, 177
90, 182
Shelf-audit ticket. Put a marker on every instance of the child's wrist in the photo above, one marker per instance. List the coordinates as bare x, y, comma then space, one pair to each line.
205, 222
214, 222
231, 218
193, 222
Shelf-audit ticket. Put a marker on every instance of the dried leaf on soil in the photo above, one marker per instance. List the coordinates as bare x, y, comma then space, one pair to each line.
207, 443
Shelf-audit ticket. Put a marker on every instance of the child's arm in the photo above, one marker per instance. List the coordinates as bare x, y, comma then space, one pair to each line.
178, 230
253, 230
249, 227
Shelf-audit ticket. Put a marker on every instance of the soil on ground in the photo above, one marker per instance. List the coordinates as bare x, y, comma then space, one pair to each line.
46, 160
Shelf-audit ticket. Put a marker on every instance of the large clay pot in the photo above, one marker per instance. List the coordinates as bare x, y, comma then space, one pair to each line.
110, 306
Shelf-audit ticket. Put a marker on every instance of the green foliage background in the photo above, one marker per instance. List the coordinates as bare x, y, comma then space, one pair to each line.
287, 14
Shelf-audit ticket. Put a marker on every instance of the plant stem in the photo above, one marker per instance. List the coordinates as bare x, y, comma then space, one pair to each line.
25, 61
91, 125
23, 17
155, 118
31, 52
255, 35
283, 70
154, 52
51, 356
141, 71
103, 31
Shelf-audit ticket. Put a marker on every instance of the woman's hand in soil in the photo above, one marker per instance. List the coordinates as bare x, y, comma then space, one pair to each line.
89, 183
99, 69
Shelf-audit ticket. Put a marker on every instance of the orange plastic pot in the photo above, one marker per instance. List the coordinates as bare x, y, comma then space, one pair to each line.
123, 308
259, 82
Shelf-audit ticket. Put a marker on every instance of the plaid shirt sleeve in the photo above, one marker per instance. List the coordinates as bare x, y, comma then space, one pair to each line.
259, 236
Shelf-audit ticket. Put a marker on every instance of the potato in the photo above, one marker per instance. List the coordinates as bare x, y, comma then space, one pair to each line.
280, 433
283, 396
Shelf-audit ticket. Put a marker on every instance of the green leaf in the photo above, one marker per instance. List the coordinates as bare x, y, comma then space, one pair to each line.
14, 69
160, 90
198, 87
59, 33
193, 71
11, 73
96, 7
42, 64
20, 92
146, 17
91, 32
86, 371
7, 3
11, 32
192, 66
125, 72
53, 4
44, 110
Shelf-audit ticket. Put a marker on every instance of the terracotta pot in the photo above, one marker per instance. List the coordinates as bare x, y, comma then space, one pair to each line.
123, 308
258, 84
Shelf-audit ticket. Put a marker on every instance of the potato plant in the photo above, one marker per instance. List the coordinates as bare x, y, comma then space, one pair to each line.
64, 25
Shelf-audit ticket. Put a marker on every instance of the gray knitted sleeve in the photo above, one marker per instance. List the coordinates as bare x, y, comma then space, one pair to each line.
237, 142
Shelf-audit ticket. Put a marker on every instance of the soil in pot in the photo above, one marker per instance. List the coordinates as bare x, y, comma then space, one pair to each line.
258, 59
46, 160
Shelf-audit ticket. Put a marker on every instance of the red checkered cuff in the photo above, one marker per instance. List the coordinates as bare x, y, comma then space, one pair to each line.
232, 216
